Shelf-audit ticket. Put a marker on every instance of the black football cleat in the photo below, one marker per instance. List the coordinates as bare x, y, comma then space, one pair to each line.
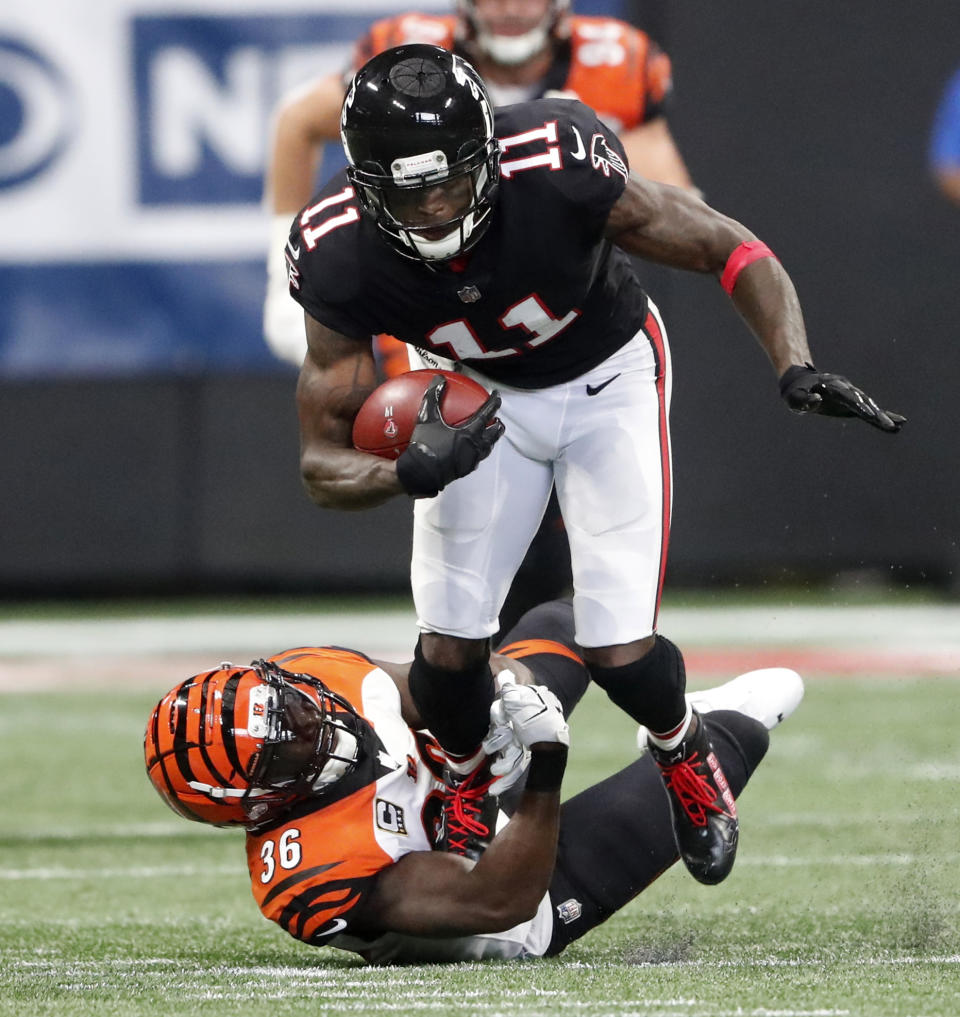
469, 816
703, 812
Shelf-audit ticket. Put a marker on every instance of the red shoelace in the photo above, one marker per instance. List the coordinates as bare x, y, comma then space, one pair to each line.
461, 812
695, 791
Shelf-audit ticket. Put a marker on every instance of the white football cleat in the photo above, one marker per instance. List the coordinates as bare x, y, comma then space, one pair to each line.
768, 695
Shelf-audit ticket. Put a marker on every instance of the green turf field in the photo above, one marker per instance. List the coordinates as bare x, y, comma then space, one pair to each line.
845, 898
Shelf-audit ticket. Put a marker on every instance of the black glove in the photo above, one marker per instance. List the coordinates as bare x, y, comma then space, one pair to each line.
439, 453
806, 390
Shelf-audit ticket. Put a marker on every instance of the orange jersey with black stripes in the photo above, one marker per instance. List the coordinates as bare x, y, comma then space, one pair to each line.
309, 871
618, 70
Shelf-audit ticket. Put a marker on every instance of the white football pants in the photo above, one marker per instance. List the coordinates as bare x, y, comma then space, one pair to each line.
608, 454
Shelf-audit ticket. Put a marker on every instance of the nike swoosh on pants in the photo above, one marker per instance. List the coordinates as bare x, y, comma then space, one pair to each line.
592, 390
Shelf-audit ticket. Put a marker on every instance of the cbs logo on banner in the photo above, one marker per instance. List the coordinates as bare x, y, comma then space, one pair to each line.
35, 113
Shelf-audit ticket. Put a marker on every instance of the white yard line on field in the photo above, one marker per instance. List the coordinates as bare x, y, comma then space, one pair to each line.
898, 859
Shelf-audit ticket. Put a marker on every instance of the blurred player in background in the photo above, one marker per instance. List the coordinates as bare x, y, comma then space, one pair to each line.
523, 49
945, 142
318, 753
501, 241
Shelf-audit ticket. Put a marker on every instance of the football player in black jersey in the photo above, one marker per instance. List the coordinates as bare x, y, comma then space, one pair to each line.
523, 49
500, 243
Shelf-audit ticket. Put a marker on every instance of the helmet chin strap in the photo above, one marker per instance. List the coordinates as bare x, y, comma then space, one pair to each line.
511, 50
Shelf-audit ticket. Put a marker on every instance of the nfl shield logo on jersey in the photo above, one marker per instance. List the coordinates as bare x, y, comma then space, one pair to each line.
569, 911
468, 294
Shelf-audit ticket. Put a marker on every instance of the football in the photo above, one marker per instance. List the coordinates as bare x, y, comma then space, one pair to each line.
387, 418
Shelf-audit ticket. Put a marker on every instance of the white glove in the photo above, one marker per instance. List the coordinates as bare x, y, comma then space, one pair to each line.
511, 757
533, 712
520, 716
283, 326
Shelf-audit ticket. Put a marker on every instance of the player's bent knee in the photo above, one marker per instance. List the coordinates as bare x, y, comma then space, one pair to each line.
621, 654
453, 653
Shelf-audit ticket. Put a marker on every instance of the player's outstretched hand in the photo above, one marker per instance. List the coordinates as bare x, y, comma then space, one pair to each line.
438, 452
521, 716
808, 390
533, 712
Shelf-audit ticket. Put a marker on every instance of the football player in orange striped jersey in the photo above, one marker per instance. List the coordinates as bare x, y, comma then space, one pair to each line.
317, 752
523, 49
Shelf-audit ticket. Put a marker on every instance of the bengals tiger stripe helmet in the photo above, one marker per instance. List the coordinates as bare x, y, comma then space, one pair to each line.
236, 745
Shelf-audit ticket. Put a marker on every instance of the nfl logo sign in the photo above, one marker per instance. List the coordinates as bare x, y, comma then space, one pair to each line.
569, 911
468, 294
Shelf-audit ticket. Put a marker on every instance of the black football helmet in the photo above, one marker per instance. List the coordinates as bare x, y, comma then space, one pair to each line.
417, 122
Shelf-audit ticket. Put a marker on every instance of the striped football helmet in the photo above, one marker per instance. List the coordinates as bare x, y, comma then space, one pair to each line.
237, 745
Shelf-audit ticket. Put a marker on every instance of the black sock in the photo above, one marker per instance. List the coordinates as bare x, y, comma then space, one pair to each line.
454, 705
650, 689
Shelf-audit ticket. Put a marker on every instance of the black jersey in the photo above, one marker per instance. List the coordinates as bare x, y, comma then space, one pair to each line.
542, 297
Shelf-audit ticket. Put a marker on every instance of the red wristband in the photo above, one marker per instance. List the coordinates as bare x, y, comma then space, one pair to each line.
741, 256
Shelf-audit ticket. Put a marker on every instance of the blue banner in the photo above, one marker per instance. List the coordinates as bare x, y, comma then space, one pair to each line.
133, 142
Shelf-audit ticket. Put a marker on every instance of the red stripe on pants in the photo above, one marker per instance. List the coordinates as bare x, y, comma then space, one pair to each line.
652, 327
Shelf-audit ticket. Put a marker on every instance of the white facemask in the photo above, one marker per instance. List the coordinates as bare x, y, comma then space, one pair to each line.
511, 50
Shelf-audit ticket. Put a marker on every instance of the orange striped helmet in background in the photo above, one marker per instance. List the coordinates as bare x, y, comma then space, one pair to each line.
236, 745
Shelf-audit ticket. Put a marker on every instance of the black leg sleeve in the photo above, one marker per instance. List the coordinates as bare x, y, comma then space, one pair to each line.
650, 689
454, 705
616, 837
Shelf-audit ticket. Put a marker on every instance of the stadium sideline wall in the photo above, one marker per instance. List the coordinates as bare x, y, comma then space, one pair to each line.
808, 121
